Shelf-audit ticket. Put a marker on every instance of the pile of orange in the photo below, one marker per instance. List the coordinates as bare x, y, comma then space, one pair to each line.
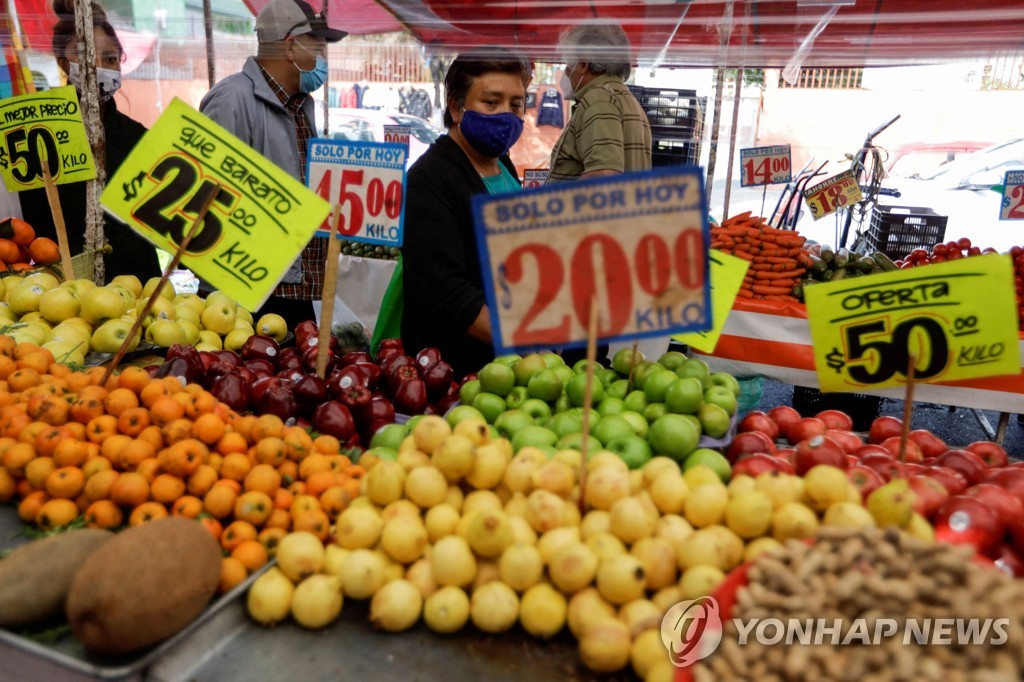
134, 449
22, 250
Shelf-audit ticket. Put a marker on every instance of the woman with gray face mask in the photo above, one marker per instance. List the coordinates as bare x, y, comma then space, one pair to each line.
132, 254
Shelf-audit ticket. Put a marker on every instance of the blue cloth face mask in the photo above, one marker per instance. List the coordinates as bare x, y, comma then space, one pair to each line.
311, 81
491, 134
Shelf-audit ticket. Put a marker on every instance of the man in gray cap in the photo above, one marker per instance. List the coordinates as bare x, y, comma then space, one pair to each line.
267, 106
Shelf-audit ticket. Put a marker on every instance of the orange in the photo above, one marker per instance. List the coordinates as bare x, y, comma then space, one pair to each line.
149, 468
251, 553
56, 513
47, 439
43, 251
244, 425
29, 507
166, 488
100, 428
94, 465
103, 514
114, 445
279, 519
220, 501
232, 574
177, 430
95, 392
151, 434
6, 365
24, 348
7, 345
76, 429
134, 453
38, 470
320, 482
39, 360
84, 409
17, 457
254, 507
131, 489
201, 403
8, 486
214, 461
133, 378
335, 500
23, 379
209, 428
236, 533
229, 483
50, 409
270, 538
303, 503
283, 499
66, 483
312, 464
98, 486
184, 457
31, 432
235, 466
200, 482
328, 445
315, 521
232, 442
267, 426
132, 421
263, 478
70, 452
271, 450
212, 525
19, 232
182, 398
119, 400
188, 506
9, 251
297, 487
148, 511
165, 410
289, 471
298, 442
152, 392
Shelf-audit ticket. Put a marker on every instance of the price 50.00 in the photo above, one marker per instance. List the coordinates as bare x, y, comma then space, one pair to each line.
922, 337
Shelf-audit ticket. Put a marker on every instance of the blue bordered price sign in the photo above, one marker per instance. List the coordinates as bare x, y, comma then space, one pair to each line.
535, 177
829, 196
638, 243
397, 133
368, 180
1012, 207
765, 165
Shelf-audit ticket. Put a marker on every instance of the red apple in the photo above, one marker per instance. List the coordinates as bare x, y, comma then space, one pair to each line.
848, 440
784, 416
864, 479
1011, 478
1001, 501
759, 421
967, 463
1009, 561
788, 454
884, 427
929, 495
852, 461
951, 479
911, 451
755, 464
818, 450
885, 465
914, 469
964, 520
930, 444
993, 453
871, 449
836, 419
747, 443
805, 429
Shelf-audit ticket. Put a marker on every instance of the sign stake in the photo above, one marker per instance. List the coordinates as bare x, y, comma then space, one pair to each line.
214, 190
632, 365
908, 407
588, 396
327, 299
58, 222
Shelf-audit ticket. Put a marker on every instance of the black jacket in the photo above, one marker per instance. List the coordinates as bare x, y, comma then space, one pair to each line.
444, 289
132, 254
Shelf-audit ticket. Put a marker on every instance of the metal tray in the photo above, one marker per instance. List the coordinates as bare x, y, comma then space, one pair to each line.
27, 660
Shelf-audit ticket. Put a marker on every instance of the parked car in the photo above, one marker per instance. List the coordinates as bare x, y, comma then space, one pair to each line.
368, 125
918, 158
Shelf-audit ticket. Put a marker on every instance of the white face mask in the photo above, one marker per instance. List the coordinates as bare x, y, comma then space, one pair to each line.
107, 80
565, 83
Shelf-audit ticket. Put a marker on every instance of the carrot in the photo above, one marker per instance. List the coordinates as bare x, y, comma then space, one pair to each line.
745, 293
782, 241
804, 259
766, 290
784, 274
781, 282
773, 267
787, 298
744, 247
743, 254
739, 217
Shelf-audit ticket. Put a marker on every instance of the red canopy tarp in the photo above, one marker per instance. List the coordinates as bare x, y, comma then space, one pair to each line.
358, 17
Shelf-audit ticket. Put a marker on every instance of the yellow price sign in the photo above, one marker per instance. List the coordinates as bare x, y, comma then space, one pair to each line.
955, 320
726, 275
258, 223
43, 127
830, 195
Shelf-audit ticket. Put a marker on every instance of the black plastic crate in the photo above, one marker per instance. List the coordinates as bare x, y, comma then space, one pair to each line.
670, 106
863, 409
666, 152
898, 230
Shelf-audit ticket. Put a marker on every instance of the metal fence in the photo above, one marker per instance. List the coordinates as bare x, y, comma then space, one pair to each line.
1005, 72
826, 79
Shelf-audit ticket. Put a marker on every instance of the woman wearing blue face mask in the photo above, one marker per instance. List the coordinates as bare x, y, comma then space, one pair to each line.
444, 302
132, 254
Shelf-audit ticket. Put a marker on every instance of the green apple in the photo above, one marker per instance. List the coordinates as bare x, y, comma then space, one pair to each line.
562, 404
80, 286
611, 406
565, 423
193, 301
727, 380
25, 298
496, 378
610, 428
693, 367
162, 309
595, 416
538, 409
241, 323
490, 406
219, 315
381, 452
166, 333
553, 360
413, 421
208, 338
723, 397
533, 435
468, 391
272, 325
511, 422
712, 460
167, 291
43, 279
390, 436
79, 324
129, 282
185, 312
191, 331
714, 420
545, 385
692, 418
606, 376
684, 396
642, 371
526, 367
576, 388
673, 436
656, 385
236, 338
671, 360
516, 397
637, 421
109, 336
57, 305
128, 299
574, 441
618, 389
624, 359
244, 315
580, 366
653, 411
631, 449
564, 373
67, 352
635, 401
68, 332
508, 360
460, 412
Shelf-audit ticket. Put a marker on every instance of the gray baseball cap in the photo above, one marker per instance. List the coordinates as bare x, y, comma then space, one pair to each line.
280, 19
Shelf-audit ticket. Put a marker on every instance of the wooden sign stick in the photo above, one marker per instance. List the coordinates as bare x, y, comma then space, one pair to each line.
588, 396
163, 280
327, 299
632, 365
58, 222
908, 408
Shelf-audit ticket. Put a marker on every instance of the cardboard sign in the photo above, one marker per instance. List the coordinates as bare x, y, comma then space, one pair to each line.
43, 125
727, 273
636, 242
1012, 207
958, 319
765, 165
397, 134
830, 195
368, 180
535, 177
258, 223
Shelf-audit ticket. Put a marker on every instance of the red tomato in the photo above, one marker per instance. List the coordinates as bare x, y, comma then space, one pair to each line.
1016, 251
940, 250
974, 251
918, 255
955, 253
963, 243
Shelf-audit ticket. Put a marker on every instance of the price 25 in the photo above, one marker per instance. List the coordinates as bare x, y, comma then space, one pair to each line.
892, 349
378, 198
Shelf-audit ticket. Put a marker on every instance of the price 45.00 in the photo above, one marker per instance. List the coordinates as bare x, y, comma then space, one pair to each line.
890, 351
